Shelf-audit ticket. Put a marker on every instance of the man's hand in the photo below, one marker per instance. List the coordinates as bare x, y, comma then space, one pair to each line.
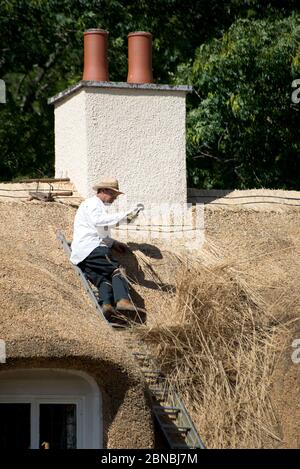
119, 247
131, 216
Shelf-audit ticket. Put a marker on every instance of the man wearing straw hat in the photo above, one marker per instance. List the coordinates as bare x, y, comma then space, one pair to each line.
92, 246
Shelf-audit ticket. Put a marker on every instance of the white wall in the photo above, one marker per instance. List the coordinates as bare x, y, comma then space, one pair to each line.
71, 141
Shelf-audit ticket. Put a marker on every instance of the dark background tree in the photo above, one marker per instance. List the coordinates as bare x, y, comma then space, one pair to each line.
41, 54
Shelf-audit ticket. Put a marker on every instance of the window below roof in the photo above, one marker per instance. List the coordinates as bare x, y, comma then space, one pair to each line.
45, 408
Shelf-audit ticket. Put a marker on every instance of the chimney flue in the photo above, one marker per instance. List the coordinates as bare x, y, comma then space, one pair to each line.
95, 55
140, 57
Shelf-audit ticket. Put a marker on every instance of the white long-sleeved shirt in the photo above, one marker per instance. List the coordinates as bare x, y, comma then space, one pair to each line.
92, 228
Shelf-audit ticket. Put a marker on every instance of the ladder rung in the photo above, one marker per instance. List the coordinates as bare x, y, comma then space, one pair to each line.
160, 394
160, 397
116, 326
157, 390
175, 429
166, 409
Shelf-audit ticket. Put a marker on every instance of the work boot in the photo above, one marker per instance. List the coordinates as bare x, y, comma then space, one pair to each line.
108, 310
127, 305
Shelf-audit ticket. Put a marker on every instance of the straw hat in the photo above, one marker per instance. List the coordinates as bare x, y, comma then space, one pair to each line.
108, 183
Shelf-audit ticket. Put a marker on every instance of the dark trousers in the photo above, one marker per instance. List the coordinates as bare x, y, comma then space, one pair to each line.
103, 272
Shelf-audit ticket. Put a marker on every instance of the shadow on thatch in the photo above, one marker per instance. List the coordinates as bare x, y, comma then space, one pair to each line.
134, 271
129, 318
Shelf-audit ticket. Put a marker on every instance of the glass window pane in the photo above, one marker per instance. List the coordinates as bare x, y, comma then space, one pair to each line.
14, 426
58, 426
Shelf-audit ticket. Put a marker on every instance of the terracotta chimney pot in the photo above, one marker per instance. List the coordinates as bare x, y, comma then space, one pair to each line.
140, 57
95, 55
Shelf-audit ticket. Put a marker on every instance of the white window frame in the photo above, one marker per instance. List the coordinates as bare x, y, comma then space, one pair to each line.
88, 407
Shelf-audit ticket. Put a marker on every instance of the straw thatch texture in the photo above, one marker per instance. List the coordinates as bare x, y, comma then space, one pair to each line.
224, 334
221, 321
48, 321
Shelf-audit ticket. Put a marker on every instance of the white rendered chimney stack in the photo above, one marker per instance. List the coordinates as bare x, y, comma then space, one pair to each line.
134, 131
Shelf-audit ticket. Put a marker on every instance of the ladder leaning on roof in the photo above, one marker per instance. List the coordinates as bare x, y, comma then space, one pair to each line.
168, 408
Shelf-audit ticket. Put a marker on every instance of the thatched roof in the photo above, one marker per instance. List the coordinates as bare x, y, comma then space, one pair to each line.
48, 321
246, 273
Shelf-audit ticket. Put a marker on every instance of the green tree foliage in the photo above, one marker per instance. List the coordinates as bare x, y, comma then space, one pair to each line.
41, 54
243, 129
